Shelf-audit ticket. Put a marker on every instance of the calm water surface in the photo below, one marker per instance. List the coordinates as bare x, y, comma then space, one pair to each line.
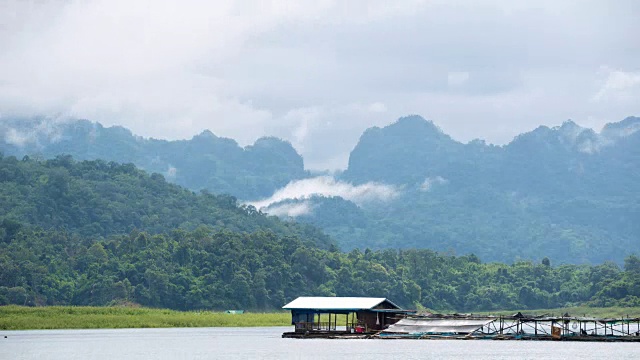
266, 343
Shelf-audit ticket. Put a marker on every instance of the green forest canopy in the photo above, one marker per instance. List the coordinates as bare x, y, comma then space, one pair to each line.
96, 233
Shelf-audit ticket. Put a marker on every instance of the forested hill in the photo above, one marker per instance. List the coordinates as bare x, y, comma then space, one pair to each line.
206, 161
96, 199
98, 233
262, 271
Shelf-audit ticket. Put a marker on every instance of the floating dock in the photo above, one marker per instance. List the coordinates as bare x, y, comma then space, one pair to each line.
380, 318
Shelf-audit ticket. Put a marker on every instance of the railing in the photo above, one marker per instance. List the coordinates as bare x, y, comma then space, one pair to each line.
317, 326
325, 326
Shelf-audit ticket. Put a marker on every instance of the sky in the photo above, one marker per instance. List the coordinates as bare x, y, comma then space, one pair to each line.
318, 73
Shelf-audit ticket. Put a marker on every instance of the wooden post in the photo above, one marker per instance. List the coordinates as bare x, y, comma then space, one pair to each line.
628, 326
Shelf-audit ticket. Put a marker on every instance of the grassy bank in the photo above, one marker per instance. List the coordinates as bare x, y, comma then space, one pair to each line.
84, 317
76, 317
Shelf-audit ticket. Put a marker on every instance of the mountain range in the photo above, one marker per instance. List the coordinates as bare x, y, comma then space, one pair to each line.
567, 192
206, 161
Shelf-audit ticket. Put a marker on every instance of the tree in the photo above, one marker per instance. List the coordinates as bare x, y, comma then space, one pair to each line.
632, 265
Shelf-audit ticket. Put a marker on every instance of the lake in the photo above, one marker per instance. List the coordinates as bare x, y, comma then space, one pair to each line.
266, 343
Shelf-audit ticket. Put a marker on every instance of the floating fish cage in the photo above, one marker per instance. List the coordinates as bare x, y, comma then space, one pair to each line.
514, 327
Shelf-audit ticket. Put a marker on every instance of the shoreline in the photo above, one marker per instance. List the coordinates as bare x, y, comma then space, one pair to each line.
14, 317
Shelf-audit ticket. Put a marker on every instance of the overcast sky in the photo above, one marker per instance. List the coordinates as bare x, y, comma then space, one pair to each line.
318, 73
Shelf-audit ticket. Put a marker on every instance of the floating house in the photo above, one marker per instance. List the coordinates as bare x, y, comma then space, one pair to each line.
379, 318
365, 317
325, 316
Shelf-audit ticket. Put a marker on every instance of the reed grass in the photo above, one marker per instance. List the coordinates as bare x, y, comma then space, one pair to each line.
14, 317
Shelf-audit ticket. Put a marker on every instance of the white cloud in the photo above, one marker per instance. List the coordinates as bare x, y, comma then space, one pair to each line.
619, 86
430, 182
171, 172
318, 73
593, 146
377, 107
290, 209
327, 186
47, 128
14, 137
595, 142
457, 78
304, 120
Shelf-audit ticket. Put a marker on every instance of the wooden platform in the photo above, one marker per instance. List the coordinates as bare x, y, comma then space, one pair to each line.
346, 335
326, 335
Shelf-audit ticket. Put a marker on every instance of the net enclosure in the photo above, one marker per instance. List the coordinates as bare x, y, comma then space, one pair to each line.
437, 326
